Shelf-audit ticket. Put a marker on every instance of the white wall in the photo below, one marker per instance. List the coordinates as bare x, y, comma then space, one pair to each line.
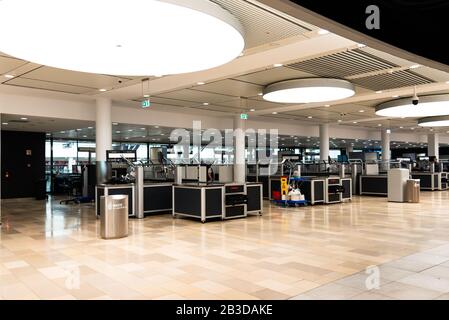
75, 107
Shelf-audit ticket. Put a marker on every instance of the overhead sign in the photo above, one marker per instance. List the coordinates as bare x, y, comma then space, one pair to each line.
244, 116
146, 103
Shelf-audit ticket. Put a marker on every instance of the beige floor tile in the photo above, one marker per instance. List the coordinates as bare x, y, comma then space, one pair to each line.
292, 252
404, 291
427, 281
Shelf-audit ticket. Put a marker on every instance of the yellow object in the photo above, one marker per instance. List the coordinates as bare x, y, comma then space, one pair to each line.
284, 186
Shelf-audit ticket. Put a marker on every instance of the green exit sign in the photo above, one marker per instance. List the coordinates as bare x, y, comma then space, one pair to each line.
146, 103
244, 116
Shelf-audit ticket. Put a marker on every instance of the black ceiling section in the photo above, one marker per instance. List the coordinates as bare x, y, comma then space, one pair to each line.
398, 79
405, 24
343, 64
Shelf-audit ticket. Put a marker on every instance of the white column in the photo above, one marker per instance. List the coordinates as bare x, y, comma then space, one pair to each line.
239, 150
433, 148
349, 149
103, 136
385, 137
324, 142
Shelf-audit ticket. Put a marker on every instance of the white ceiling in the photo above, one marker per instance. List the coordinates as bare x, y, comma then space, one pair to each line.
369, 69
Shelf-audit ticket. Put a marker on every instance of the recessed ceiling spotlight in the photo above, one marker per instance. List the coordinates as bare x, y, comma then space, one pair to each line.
158, 75
130, 130
102, 90
84, 136
9, 76
380, 91
48, 134
115, 124
379, 125
143, 129
309, 117
327, 105
361, 45
156, 127
395, 96
274, 112
430, 105
354, 122
118, 131
252, 110
309, 90
401, 127
277, 65
361, 111
260, 94
62, 132
190, 35
415, 66
146, 95
5, 123
412, 128
205, 103
144, 136
323, 32
79, 129
90, 127
126, 138
339, 120
200, 83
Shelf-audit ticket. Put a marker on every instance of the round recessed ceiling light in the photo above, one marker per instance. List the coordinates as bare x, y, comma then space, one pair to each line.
441, 121
186, 35
433, 105
308, 90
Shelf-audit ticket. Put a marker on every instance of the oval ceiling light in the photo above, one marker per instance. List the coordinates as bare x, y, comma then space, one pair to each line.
308, 90
441, 121
428, 106
121, 37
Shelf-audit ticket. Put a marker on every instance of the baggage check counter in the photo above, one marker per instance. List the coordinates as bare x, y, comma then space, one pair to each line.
217, 201
431, 181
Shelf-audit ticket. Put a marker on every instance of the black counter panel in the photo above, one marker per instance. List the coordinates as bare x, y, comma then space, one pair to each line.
375, 185
157, 198
253, 194
188, 201
214, 202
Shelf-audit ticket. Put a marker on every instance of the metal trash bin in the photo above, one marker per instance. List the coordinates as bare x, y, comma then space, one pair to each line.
413, 190
114, 216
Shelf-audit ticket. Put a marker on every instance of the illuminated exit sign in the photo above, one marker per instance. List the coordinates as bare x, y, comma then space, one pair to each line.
244, 116
146, 103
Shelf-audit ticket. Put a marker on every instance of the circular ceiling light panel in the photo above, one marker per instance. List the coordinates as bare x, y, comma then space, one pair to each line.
428, 106
308, 90
121, 37
441, 121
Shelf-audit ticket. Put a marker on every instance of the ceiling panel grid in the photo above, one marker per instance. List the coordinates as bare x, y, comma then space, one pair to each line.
262, 26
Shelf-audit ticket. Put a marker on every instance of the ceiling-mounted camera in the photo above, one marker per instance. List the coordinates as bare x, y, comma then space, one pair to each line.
415, 99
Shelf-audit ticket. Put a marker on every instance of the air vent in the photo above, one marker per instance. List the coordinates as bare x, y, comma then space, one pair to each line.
343, 64
262, 26
394, 80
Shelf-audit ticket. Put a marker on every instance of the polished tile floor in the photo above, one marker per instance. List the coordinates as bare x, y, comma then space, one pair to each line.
52, 251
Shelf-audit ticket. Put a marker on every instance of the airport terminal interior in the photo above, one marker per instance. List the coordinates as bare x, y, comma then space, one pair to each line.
241, 151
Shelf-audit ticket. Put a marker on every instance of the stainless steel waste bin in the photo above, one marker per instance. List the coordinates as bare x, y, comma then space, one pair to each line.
413, 190
114, 216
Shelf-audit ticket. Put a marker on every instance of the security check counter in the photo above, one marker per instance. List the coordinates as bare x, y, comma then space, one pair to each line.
430, 181
217, 201
199, 200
